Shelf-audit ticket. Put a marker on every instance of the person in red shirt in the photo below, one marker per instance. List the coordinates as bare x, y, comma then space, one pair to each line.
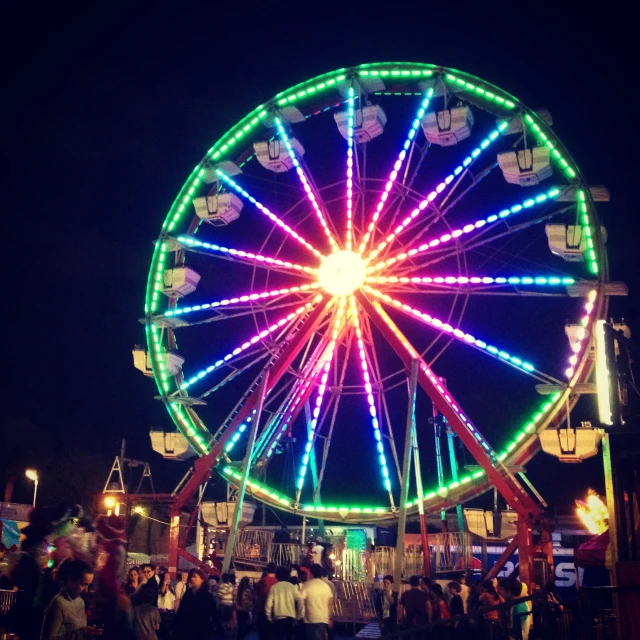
261, 592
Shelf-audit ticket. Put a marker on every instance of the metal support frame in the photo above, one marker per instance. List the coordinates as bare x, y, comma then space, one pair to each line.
454, 474
313, 465
203, 466
498, 474
246, 468
406, 469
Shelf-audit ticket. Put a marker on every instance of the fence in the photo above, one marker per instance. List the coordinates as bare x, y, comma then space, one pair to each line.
252, 546
285, 553
353, 602
7, 598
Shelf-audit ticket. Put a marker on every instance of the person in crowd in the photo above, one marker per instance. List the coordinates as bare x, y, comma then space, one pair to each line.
196, 618
147, 583
387, 606
284, 606
65, 618
181, 588
157, 570
456, 606
489, 598
147, 617
226, 600
412, 608
439, 605
302, 579
262, 589
132, 581
318, 605
166, 595
214, 583
244, 607
520, 615
463, 580
325, 579
317, 552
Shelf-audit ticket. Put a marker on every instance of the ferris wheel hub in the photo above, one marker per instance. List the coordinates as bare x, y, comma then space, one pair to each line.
342, 273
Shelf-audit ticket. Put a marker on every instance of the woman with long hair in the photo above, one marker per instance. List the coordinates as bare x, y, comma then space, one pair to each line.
196, 618
244, 607
132, 581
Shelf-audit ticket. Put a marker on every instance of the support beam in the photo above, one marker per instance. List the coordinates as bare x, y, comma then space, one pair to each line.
424, 534
246, 468
499, 564
454, 475
517, 498
313, 465
406, 469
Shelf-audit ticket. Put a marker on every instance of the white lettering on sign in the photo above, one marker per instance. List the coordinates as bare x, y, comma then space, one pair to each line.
566, 575
506, 570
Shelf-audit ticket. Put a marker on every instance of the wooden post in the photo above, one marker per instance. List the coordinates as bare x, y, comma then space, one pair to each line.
406, 468
246, 468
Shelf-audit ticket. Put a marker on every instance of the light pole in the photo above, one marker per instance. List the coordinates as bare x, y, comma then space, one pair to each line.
32, 474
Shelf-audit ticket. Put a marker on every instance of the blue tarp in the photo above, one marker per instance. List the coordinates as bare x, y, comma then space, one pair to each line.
10, 532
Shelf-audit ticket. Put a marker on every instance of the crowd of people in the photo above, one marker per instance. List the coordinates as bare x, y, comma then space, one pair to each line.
425, 602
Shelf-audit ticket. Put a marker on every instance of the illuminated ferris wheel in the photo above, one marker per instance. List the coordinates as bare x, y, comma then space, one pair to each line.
366, 224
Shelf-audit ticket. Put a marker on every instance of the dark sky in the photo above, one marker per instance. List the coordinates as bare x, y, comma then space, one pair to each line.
107, 110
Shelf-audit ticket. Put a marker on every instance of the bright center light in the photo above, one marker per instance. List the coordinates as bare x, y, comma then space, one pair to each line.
32, 474
342, 273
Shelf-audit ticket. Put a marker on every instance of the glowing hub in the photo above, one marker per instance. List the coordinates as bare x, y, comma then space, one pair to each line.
342, 273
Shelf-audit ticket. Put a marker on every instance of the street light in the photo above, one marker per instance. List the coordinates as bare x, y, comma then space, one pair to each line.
32, 475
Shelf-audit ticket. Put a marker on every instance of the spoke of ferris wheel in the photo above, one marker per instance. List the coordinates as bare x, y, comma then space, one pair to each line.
306, 184
250, 297
350, 159
272, 216
541, 198
366, 377
374, 370
337, 397
415, 124
462, 336
438, 190
246, 257
245, 345
293, 403
339, 322
474, 285
445, 252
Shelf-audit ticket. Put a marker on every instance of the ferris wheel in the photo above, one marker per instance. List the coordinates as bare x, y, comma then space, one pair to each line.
369, 223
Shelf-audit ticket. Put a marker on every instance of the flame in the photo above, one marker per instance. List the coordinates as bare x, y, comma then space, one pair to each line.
593, 512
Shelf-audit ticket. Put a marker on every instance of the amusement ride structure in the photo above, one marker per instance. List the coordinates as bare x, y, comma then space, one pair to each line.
387, 259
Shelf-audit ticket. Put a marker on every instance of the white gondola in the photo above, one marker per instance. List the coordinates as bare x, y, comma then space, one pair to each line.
172, 445
173, 363
369, 123
220, 514
576, 333
180, 282
525, 167
571, 445
273, 155
219, 210
566, 241
482, 523
142, 361
448, 127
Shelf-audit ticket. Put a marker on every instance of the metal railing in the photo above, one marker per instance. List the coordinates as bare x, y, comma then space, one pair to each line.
252, 546
353, 602
285, 553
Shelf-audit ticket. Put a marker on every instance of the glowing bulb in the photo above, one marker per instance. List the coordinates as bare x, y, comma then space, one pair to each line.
109, 502
32, 474
342, 273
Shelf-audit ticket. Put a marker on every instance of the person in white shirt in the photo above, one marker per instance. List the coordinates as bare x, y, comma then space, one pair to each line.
317, 551
318, 605
181, 588
284, 605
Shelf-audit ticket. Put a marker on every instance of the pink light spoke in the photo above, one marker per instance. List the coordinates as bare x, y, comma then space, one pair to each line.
396, 169
467, 229
272, 216
382, 460
191, 242
245, 345
305, 183
338, 323
250, 297
437, 191
350, 125
456, 332
471, 280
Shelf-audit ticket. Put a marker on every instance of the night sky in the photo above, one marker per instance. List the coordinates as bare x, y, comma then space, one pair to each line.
106, 112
